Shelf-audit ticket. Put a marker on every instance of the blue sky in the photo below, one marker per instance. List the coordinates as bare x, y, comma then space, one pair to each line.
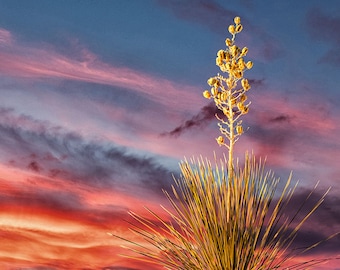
100, 101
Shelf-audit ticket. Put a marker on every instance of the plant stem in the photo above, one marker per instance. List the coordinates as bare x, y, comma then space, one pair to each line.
232, 137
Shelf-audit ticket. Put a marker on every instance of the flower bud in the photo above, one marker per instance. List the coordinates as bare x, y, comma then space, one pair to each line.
245, 84
231, 29
238, 28
241, 64
226, 111
214, 91
227, 56
234, 50
239, 129
244, 51
237, 20
220, 140
206, 94
228, 42
240, 106
224, 96
211, 81
229, 82
238, 74
243, 98
245, 110
249, 64
220, 53
223, 68
219, 61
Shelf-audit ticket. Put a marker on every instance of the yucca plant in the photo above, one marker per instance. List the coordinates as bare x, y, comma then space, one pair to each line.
224, 216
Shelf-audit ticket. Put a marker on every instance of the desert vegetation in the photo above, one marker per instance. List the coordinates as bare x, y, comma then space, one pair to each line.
225, 215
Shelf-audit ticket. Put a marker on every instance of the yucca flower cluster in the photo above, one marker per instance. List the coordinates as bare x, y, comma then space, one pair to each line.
229, 93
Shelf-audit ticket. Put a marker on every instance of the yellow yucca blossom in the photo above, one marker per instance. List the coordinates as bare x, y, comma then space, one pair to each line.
220, 140
244, 51
238, 28
231, 29
228, 42
245, 84
224, 96
218, 96
249, 64
237, 20
240, 106
238, 74
230, 83
220, 54
206, 94
226, 111
223, 67
245, 110
243, 98
227, 56
239, 129
211, 81
241, 64
233, 50
214, 91
219, 61
228, 66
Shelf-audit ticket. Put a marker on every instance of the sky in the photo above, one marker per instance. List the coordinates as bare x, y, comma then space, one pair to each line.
101, 101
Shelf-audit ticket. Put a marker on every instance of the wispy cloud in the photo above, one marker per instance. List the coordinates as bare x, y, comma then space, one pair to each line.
54, 152
206, 113
5, 37
43, 61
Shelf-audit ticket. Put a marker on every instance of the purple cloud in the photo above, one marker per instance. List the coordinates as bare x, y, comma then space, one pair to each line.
206, 114
54, 152
323, 223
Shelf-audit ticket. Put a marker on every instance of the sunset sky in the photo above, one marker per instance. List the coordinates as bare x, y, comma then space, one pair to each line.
101, 100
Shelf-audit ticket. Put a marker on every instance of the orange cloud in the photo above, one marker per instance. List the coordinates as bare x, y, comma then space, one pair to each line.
37, 230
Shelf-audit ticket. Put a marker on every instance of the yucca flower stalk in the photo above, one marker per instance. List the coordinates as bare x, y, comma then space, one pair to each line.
224, 216
228, 94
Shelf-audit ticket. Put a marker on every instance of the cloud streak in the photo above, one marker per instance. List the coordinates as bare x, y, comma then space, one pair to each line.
30, 62
206, 114
54, 152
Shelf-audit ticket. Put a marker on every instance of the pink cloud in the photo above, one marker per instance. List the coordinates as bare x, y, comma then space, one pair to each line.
33, 62
5, 37
38, 233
